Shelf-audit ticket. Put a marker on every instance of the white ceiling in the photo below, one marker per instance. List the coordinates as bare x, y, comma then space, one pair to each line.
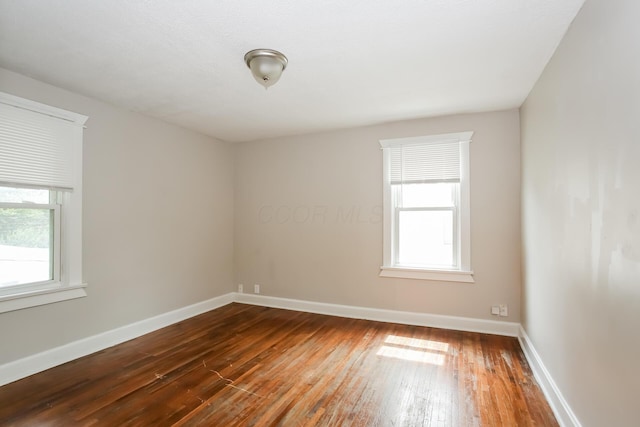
351, 62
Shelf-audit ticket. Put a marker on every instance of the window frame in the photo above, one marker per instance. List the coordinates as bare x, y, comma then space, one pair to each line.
461, 233
54, 249
67, 283
454, 209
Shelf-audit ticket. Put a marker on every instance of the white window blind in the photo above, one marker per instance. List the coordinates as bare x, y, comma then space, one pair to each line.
430, 162
37, 147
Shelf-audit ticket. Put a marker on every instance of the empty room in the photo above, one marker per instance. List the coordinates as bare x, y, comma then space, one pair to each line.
304, 213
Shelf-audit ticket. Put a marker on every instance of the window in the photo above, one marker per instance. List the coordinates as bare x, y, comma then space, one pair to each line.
29, 234
426, 207
40, 204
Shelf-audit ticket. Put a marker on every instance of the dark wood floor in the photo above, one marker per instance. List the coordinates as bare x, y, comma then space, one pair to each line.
244, 365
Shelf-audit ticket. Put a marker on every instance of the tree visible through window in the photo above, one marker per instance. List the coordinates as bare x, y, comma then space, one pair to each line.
27, 229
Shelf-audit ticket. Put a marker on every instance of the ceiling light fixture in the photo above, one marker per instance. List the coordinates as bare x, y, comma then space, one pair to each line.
266, 65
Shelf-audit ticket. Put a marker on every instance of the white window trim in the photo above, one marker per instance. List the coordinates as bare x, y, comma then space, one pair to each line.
424, 274
464, 273
29, 299
70, 285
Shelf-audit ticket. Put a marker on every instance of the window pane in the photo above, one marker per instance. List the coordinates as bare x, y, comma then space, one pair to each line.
25, 245
425, 238
427, 195
23, 195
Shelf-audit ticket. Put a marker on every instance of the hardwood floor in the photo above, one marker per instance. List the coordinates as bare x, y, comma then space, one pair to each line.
243, 365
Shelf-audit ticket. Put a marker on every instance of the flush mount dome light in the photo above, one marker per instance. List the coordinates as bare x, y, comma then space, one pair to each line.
266, 65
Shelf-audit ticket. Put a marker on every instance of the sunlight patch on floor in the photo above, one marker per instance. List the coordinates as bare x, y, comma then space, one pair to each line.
411, 355
417, 343
414, 349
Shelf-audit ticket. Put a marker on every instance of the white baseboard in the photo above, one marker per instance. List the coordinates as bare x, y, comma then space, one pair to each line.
30, 365
404, 317
560, 407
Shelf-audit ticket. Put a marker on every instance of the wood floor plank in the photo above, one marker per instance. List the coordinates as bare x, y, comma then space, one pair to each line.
243, 365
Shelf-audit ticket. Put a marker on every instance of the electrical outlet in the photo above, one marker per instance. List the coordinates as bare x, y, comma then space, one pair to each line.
256, 289
240, 288
495, 310
504, 310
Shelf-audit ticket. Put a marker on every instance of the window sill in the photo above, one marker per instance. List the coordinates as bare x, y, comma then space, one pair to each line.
422, 274
40, 297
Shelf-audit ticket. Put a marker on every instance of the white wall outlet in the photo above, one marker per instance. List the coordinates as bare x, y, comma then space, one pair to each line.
504, 310
495, 310
256, 289
240, 288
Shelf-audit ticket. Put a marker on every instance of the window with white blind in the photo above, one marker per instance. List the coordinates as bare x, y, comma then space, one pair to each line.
40, 204
426, 208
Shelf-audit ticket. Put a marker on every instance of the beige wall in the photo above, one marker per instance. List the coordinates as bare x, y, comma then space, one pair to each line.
157, 224
581, 214
158, 221
308, 218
